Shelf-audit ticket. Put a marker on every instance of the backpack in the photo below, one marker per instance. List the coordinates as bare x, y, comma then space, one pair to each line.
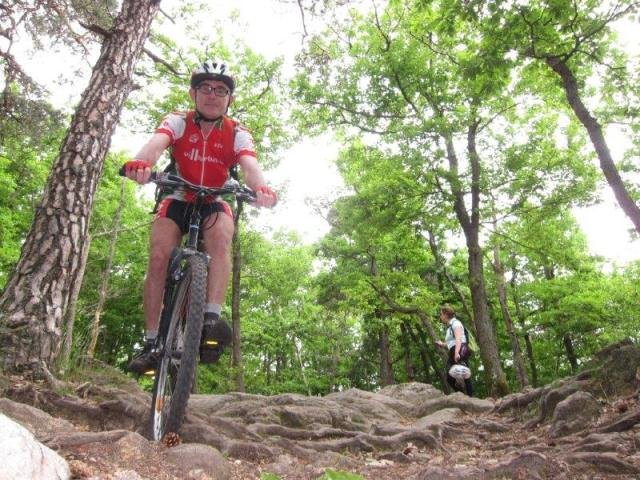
465, 348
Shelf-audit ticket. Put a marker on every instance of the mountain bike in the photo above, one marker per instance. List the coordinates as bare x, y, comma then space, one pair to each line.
182, 315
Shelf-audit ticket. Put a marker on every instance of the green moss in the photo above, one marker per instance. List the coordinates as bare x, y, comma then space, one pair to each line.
100, 373
339, 475
269, 476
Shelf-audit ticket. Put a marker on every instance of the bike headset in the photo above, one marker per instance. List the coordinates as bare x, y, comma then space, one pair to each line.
211, 70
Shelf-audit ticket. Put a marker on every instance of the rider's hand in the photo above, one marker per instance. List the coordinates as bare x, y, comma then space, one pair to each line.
265, 197
138, 170
456, 357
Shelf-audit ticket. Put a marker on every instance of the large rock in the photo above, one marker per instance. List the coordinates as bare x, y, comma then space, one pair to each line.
374, 406
42, 425
414, 392
618, 372
194, 457
455, 400
23, 457
438, 418
574, 413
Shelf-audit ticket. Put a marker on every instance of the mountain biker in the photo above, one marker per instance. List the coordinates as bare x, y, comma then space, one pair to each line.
454, 339
204, 143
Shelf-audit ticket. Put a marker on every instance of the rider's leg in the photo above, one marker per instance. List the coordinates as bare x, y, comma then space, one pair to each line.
165, 236
217, 236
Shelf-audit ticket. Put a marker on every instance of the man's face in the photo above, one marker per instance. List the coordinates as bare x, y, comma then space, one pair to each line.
208, 99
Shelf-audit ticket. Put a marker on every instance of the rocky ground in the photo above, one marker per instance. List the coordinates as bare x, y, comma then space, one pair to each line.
584, 427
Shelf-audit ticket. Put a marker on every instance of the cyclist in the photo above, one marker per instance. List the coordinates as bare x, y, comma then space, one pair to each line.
204, 143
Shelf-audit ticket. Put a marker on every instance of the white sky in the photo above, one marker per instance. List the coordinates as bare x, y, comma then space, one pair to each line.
307, 170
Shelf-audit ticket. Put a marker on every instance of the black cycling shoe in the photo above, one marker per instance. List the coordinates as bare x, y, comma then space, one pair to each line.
216, 334
146, 362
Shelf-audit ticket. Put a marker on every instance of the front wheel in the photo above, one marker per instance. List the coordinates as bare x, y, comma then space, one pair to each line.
177, 366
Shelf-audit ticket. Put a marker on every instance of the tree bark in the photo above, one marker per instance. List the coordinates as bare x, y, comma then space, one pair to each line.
70, 318
386, 368
571, 354
36, 298
607, 165
408, 362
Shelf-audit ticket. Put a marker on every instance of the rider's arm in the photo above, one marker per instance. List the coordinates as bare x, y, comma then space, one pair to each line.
254, 179
149, 153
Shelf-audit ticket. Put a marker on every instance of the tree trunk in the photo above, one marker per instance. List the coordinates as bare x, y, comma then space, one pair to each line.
527, 338
594, 129
571, 354
435, 251
36, 298
236, 256
386, 369
266, 368
301, 363
421, 344
70, 318
440, 373
424, 319
104, 286
408, 362
485, 334
521, 371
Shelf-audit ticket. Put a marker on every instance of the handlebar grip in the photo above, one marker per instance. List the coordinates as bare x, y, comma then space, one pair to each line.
154, 175
136, 164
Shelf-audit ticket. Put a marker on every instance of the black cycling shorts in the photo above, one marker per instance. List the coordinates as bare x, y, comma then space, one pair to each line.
180, 211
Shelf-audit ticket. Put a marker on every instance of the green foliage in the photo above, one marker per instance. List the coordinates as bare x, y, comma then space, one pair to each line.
121, 321
402, 91
269, 476
330, 474
259, 100
26, 157
411, 81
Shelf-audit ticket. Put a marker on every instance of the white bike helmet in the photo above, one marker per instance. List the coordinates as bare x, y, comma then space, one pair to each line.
212, 70
460, 372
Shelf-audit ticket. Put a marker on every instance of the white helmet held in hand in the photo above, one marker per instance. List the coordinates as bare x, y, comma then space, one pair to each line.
460, 372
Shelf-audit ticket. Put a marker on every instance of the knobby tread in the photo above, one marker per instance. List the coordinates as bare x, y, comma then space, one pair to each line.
195, 281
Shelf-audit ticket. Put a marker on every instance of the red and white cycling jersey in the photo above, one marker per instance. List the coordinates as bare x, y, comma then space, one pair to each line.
205, 160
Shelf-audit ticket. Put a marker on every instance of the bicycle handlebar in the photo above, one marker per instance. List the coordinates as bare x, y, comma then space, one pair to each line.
230, 187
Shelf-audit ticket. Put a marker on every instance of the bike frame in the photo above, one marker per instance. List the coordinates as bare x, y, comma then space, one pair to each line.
175, 270
173, 341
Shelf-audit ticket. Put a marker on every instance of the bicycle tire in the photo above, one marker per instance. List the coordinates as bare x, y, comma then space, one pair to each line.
179, 356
